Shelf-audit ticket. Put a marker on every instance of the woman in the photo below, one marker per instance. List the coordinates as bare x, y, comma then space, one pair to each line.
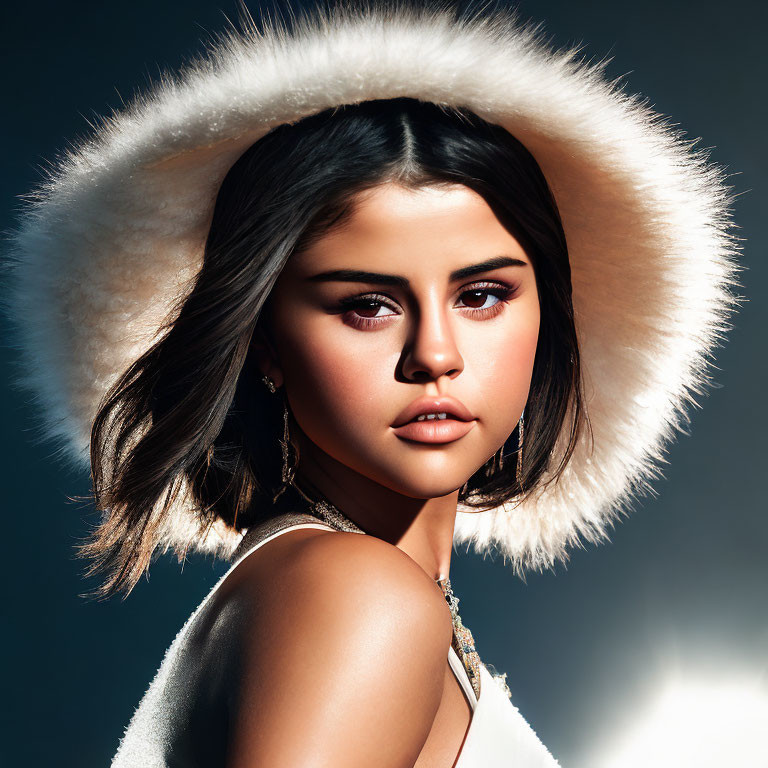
271, 268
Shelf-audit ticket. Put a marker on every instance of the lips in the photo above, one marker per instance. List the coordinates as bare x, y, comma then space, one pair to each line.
435, 431
453, 408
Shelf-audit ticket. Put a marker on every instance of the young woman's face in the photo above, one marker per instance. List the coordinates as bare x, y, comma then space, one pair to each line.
449, 309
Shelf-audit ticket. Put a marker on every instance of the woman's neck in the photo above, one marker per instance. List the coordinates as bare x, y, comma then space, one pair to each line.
422, 528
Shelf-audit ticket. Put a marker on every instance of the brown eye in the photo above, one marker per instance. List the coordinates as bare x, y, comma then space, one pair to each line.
486, 300
368, 308
475, 299
367, 312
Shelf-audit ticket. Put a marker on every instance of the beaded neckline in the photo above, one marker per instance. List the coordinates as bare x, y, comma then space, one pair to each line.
462, 641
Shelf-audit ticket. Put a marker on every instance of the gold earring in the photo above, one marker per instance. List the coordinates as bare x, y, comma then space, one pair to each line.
498, 459
496, 462
288, 471
269, 384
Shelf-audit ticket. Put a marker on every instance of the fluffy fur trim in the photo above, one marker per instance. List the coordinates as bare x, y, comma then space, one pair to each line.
115, 234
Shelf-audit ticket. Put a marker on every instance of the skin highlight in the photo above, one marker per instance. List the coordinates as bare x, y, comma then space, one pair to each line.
353, 355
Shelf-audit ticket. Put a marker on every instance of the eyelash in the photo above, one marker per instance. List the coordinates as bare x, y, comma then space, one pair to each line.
502, 292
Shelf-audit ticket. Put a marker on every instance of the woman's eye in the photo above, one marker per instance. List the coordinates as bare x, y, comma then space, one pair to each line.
485, 300
371, 308
366, 312
478, 299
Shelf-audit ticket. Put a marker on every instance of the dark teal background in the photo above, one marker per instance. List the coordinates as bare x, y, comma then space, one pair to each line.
683, 583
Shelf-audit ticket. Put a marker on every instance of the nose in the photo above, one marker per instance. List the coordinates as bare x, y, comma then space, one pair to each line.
432, 350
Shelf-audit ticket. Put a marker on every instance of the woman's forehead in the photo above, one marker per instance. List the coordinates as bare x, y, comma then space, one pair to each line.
393, 228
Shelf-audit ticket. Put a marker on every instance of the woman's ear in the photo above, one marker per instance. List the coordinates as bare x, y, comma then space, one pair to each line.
266, 357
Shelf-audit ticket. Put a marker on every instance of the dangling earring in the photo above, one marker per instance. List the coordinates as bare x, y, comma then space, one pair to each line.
504, 453
496, 462
288, 471
519, 469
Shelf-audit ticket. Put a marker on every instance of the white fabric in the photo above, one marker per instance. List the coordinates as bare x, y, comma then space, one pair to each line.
160, 733
498, 734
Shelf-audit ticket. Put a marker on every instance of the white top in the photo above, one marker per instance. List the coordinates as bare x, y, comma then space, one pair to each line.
498, 734
173, 726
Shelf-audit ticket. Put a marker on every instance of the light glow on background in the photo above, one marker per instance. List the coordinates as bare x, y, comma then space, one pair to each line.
701, 723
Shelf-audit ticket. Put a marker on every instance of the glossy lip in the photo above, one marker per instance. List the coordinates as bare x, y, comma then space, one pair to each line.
455, 410
434, 431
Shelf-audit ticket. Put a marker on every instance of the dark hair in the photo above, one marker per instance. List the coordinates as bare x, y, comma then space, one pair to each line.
192, 411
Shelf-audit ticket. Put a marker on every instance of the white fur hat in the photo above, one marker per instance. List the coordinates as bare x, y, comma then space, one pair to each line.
116, 233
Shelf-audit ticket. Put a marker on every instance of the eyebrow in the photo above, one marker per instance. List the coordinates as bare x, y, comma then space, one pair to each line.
359, 276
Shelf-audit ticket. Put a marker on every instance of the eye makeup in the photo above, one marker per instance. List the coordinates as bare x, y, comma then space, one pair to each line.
351, 308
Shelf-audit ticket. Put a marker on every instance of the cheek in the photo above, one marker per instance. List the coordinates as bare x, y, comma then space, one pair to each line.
339, 382
501, 365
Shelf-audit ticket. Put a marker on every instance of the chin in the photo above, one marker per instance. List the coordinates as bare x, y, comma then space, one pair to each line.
415, 476
425, 485
433, 492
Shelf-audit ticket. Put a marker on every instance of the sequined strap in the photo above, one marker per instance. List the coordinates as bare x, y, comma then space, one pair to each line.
464, 646
463, 643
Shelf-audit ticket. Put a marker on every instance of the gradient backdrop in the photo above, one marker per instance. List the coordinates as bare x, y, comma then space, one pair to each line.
681, 589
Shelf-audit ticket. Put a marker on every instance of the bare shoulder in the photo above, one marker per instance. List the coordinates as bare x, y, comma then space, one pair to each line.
343, 658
